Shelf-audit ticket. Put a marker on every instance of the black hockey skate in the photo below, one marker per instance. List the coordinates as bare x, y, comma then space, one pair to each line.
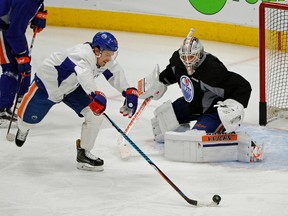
86, 160
21, 137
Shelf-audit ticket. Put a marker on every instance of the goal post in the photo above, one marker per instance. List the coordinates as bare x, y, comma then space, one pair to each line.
273, 61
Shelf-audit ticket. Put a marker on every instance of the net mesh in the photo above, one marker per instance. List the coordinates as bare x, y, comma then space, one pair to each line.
276, 62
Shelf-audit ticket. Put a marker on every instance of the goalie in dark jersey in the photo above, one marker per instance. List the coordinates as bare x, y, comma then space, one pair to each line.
212, 96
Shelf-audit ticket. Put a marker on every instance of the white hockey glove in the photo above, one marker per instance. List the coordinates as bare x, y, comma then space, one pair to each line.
231, 114
150, 86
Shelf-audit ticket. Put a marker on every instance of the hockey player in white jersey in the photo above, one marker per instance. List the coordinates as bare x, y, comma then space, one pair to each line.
69, 77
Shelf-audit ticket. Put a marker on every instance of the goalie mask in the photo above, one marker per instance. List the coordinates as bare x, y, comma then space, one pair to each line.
191, 52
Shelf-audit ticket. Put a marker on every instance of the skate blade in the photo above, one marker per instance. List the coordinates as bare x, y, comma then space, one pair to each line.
87, 167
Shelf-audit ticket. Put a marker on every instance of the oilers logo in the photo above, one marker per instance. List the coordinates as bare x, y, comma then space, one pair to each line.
187, 88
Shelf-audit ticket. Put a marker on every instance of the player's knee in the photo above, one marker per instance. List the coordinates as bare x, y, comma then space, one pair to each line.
10, 70
90, 118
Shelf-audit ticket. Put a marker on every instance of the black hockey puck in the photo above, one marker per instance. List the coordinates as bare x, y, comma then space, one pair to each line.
216, 199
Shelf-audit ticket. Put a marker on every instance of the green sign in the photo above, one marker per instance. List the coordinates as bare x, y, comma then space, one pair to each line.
210, 7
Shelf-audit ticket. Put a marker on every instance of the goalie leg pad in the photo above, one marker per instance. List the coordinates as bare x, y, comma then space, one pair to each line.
248, 149
197, 147
165, 120
184, 147
158, 135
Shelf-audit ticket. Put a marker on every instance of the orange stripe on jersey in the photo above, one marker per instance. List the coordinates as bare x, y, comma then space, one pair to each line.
26, 98
3, 56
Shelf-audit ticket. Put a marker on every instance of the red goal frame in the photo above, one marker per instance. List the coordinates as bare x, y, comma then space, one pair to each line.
262, 57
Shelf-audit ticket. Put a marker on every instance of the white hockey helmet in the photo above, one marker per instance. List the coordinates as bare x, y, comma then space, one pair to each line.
191, 51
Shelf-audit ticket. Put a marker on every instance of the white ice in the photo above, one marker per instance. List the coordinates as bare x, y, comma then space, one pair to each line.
41, 177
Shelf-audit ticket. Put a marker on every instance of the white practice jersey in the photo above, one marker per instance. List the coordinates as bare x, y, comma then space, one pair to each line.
63, 72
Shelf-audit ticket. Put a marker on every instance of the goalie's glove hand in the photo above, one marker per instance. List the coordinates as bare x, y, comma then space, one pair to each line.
38, 23
98, 103
131, 102
23, 63
231, 114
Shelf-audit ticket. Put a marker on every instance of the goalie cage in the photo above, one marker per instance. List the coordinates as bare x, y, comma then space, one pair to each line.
273, 52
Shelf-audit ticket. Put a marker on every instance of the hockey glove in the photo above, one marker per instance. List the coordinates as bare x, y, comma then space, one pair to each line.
24, 66
131, 102
150, 86
38, 23
98, 104
231, 114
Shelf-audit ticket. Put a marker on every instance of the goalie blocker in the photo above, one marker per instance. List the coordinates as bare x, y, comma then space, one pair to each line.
150, 86
197, 146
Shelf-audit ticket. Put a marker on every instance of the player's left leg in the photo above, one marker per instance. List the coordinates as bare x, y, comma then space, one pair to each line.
33, 108
78, 101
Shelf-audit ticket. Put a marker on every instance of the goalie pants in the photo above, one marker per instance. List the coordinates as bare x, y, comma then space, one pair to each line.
10, 77
210, 122
35, 106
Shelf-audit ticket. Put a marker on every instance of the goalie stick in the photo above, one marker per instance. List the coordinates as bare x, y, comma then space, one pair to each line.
9, 136
123, 146
216, 198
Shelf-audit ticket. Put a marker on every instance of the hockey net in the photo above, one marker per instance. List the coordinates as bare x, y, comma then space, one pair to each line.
273, 38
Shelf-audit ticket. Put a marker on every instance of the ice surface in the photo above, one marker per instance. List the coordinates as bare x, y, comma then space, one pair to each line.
41, 177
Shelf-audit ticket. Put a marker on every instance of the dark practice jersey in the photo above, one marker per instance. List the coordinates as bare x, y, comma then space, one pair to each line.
211, 82
15, 16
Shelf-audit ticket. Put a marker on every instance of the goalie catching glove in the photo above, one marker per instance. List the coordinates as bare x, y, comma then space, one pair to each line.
131, 102
150, 86
98, 103
231, 114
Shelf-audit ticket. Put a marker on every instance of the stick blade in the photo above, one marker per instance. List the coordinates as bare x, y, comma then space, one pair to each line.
124, 149
10, 137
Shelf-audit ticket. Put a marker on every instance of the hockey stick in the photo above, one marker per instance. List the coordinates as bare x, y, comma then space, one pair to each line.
123, 147
10, 136
216, 198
